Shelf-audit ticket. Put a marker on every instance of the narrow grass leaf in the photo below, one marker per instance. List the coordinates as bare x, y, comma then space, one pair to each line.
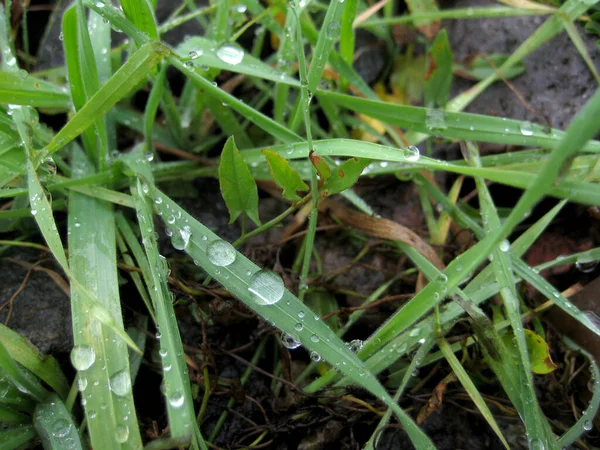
22, 379
98, 355
238, 187
55, 426
205, 52
19, 88
263, 292
126, 78
471, 389
45, 367
141, 15
16, 437
284, 176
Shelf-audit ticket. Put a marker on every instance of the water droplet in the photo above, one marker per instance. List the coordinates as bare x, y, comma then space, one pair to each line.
267, 287
120, 383
158, 200
230, 54
171, 219
314, 356
526, 128
33, 212
23, 74
504, 246
414, 332
587, 425
122, 434
181, 238
221, 253
82, 384
298, 326
195, 54
289, 341
586, 265
82, 357
442, 278
189, 65
412, 153
60, 428
314, 338
176, 399
333, 30
60, 36
163, 352
435, 120
301, 315
536, 444
355, 345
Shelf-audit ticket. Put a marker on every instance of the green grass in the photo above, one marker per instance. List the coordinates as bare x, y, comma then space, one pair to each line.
118, 194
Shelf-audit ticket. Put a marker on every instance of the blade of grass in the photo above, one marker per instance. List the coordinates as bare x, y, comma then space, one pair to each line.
55, 426
19, 88
25, 382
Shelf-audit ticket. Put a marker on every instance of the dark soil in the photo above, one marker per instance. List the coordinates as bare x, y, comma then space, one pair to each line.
556, 84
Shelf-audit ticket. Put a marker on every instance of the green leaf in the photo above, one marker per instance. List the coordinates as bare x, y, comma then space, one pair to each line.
140, 13
482, 67
539, 354
320, 164
345, 175
284, 176
55, 425
19, 88
238, 188
438, 76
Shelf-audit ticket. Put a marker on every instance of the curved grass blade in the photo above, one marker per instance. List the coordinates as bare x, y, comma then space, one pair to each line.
16, 437
19, 88
454, 125
263, 292
141, 15
55, 426
126, 78
44, 367
23, 380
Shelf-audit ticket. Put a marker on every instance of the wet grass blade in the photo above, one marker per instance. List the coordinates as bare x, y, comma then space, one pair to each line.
19, 88
119, 85
100, 357
263, 292
55, 426
471, 389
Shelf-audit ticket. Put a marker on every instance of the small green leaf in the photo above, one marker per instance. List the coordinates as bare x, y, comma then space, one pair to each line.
345, 175
438, 76
321, 165
483, 66
284, 176
238, 188
539, 355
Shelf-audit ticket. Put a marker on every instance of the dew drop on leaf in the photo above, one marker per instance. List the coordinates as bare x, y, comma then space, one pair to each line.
289, 341
60, 428
314, 356
504, 246
122, 433
412, 153
526, 128
82, 357
221, 253
230, 54
120, 383
266, 286
176, 399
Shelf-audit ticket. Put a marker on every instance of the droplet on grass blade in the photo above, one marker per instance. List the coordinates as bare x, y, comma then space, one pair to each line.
221, 253
82, 357
230, 54
266, 286
60, 428
120, 383
289, 341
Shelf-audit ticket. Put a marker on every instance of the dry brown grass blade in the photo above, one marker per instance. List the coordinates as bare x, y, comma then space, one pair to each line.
382, 228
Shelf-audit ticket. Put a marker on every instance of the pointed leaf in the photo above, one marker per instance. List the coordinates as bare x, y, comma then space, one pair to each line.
345, 175
438, 77
284, 176
320, 164
238, 188
539, 354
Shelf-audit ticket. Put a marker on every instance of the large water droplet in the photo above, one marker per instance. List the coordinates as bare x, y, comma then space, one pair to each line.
536, 444
526, 128
230, 54
176, 399
412, 153
586, 265
435, 119
221, 253
122, 434
289, 341
82, 357
60, 428
266, 286
504, 246
314, 338
181, 237
195, 54
355, 345
588, 425
120, 383
315, 356
333, 30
